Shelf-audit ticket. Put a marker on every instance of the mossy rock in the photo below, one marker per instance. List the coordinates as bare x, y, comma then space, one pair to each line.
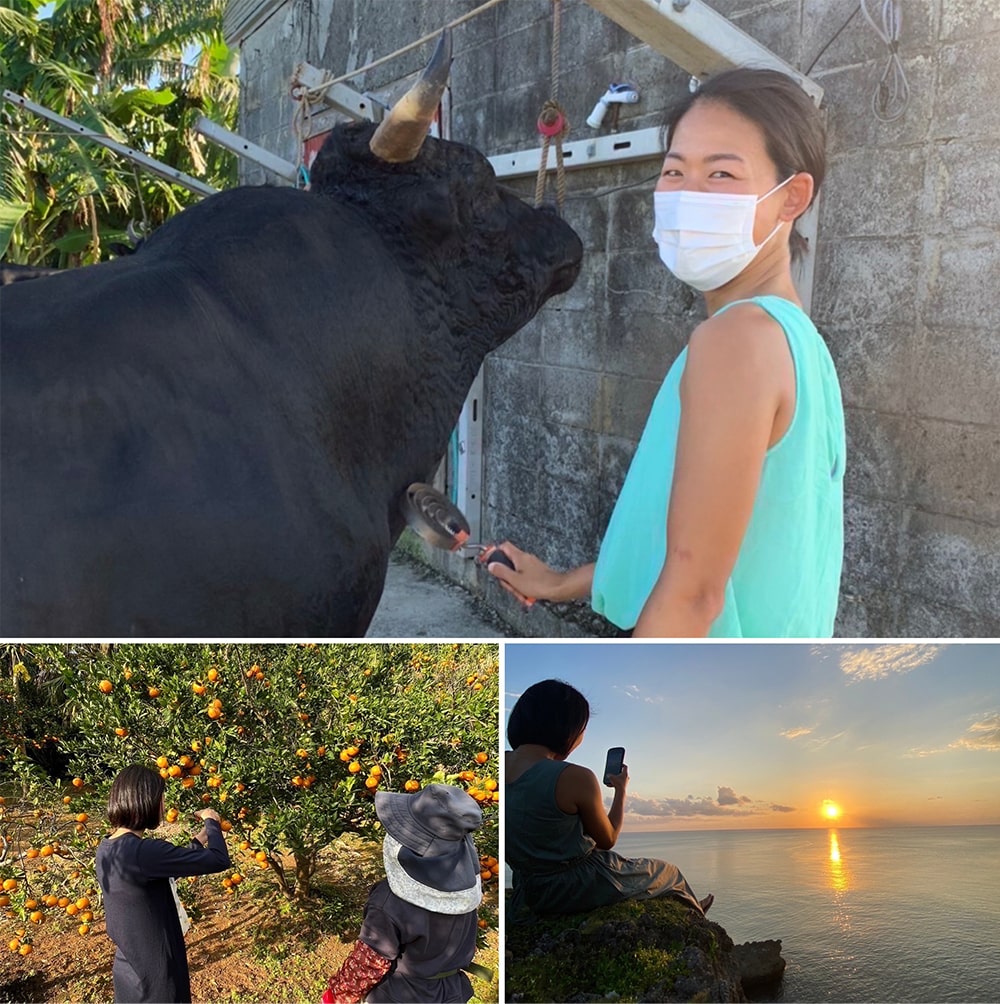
637, 950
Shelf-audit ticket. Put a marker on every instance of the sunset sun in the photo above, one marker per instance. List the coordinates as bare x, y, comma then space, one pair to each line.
830, 810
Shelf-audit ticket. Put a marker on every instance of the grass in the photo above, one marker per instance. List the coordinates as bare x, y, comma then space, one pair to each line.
625, 950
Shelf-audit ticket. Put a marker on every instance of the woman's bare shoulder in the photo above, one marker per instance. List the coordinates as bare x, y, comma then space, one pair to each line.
744, 341
577, 777
735, 324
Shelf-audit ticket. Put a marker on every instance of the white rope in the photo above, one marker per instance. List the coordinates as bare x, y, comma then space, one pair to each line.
315, 92
892, 93
304, 95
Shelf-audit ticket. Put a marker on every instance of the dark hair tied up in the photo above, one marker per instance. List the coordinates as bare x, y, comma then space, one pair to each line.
793, 129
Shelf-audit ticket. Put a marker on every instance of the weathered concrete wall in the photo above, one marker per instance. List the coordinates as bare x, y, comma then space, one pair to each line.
907, 276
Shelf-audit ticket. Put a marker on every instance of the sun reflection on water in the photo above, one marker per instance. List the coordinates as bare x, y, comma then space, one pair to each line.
838, 873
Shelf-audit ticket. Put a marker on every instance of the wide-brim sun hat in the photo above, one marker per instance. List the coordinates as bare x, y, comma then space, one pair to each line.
430, 857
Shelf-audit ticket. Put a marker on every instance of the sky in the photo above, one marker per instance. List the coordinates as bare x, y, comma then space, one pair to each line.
736, 736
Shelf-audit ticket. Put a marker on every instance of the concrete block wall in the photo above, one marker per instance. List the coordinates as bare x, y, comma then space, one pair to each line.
906, 279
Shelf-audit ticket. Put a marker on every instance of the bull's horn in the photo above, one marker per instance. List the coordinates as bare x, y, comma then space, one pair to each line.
401, 133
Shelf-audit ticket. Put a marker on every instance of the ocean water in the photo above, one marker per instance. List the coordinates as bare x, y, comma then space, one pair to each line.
908, 914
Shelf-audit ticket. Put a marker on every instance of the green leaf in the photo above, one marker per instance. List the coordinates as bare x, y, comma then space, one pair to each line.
11, 213
73, 242
142, 99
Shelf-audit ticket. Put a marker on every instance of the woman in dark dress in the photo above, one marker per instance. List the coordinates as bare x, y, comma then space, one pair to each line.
135, 876
558, 834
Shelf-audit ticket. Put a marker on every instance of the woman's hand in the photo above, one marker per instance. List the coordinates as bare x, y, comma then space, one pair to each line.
531, 578
618, 781
205, 814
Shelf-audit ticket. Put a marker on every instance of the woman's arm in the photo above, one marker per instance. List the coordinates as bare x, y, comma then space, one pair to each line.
579, 788
531, 578
737, 389
162, 859
362, 970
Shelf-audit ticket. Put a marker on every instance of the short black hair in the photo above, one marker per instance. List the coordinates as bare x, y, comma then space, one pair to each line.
550, 713
136, 799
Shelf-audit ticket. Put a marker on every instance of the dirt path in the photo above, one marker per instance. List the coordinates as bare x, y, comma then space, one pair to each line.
251, 945
234, 954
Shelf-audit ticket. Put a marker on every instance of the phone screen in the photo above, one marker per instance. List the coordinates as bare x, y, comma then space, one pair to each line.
614, 763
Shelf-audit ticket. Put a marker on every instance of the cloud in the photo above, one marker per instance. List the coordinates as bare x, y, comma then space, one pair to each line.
818, 742
727, 796
885, 660
801, 730
728, 803
981, 735
635, 693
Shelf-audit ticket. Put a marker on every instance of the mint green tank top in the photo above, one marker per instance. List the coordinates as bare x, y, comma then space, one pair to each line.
786, 580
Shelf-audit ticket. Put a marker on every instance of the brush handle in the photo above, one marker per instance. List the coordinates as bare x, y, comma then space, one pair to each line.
501, 557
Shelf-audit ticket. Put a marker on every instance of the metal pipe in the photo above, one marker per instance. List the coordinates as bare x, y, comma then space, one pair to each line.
156, 167
242, 147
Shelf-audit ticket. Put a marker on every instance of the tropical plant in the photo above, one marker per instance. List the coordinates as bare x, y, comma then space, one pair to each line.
141, 73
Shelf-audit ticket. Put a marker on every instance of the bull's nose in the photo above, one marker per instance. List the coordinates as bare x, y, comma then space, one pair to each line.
564, 276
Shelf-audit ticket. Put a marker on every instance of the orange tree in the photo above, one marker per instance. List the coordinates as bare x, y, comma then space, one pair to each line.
288, 742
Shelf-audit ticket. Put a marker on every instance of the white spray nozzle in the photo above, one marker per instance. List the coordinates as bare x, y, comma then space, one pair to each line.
616, 94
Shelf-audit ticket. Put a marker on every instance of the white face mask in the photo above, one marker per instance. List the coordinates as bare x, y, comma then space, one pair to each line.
706, 238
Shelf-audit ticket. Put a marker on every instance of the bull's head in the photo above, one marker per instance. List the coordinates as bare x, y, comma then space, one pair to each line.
494, 260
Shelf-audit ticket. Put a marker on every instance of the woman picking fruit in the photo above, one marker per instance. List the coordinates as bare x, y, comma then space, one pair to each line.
137, 876
419, 931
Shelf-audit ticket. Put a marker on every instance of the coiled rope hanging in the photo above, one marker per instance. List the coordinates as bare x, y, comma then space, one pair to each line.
892, 93
553, 123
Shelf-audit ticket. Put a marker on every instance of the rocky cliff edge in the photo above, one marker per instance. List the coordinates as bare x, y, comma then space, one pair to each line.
638, 950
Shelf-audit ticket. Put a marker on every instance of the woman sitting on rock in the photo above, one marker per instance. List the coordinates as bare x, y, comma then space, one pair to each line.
558, 834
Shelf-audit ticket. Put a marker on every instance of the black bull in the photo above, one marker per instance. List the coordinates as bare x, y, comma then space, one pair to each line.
211, 437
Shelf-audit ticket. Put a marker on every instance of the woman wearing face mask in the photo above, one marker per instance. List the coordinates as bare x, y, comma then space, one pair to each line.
730, 521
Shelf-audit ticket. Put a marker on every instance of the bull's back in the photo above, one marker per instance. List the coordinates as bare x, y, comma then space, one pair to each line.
164, 441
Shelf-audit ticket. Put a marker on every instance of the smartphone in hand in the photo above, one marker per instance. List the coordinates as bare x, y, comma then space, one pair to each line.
614, 763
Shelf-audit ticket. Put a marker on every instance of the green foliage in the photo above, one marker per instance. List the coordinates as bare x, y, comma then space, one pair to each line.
288, 742
140, 73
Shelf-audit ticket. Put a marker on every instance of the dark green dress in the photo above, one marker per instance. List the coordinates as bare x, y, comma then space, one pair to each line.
557, 868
